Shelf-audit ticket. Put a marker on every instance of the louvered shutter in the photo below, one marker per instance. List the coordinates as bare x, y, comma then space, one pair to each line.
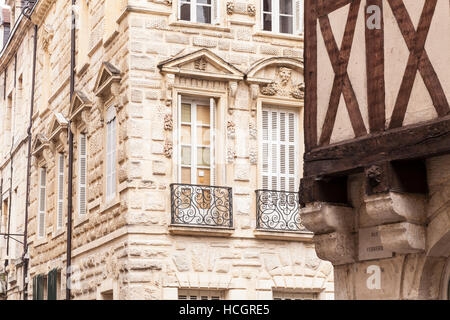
40, 287
278, 150
35, 289
60, 208
42, 200
298, 16
82, 175
216, 11
52, 279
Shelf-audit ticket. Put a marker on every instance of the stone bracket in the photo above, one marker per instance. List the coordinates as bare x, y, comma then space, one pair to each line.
396, 207
336, 247
403, 237
321, 217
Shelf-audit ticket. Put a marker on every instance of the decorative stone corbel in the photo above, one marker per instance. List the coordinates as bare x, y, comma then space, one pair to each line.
396, 207
167, 94
232, 93
254, 92
321, 217
168, 149
251, 9
168, 122
403, 237
336, 247
230, 7
47, 154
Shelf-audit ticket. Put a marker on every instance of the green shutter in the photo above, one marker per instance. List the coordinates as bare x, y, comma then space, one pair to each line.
51, 284
35, 288
40, 287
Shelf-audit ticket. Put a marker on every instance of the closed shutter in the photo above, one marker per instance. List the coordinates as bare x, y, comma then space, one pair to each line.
40, 287
60, 208
42, 200
111, 155
278, 146
82, 175
52, 279
35, 288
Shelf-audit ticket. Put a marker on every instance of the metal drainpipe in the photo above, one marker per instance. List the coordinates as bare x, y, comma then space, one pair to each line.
70, 175
27, 196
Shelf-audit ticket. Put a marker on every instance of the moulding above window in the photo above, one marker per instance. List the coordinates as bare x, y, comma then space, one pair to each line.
58, 131
107, 87
80, 107
40, 148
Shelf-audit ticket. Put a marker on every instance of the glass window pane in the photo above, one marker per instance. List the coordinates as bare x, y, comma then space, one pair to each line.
267, 5
185, 112
185, 134
204, 14
203, 176
185, 175
186, 155
203, 157
203, 136
204, 1
267, 22
285, 6
286, 24
185, 12
203, 114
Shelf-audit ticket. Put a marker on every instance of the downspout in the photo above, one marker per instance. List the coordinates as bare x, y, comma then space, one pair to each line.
70, 175
25, 257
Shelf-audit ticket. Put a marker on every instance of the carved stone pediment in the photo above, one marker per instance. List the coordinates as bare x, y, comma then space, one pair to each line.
107, 75
80, 103
40, 147
201, 64
58, 130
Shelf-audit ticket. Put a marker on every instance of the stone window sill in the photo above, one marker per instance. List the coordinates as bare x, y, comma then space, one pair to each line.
206, 26
110, 204
283, 235
198, 230
279, 35
58, 233
80, 219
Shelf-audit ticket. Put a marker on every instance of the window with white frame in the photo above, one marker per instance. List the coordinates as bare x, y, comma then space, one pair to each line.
202, 11
280, 295
196, 140
82, 171
60, 195
192, 294
111, 153
42, 201
279, 142
282, 16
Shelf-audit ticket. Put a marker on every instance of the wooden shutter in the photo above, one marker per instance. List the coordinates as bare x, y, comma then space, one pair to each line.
42, 200
52, 279
82, 175
298, 16
278, 144
35, 288
60, 207
40, 287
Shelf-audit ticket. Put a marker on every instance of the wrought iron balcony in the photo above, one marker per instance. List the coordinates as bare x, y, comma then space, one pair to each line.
198, 205
278, 211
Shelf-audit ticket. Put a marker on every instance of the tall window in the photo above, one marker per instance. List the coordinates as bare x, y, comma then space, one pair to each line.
279, 144
82, 170
42, 201
282, 16
60, 195
111, 153
195, 141
203, 11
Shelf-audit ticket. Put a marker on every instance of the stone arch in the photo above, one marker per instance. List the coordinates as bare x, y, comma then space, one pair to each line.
292, 63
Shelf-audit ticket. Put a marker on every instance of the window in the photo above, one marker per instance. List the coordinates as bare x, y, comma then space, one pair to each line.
202, 11
82, 169
200, 295
60, 195
279, 149
282, 16
279, 295
42, 200
111, 153
84, 30
196, 141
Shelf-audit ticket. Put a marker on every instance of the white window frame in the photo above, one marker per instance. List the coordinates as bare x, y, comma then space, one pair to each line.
42, 205
193, 294
215, 10
82, 185
60, 194
297, 17
111, 153
279, 109
212, 113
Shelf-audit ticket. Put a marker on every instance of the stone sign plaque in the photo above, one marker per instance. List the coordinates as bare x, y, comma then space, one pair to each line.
370, 246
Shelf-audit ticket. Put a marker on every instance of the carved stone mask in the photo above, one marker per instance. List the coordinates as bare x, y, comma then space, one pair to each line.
285, 75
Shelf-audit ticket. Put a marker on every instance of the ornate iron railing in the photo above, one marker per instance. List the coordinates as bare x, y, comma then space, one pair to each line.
278, 210
197, 205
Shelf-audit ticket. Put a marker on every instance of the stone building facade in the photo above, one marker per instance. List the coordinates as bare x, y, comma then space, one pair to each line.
185, 118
